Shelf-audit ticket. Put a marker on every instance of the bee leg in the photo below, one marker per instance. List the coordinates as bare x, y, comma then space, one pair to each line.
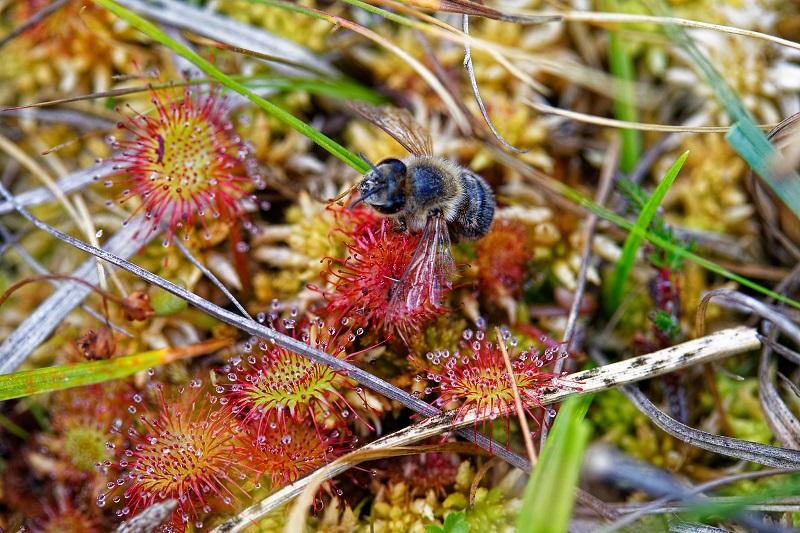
400, 225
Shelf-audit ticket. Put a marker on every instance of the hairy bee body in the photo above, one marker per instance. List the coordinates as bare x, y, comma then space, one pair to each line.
418, 187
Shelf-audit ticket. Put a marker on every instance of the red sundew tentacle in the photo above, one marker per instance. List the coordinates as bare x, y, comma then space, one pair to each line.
362, 283
80, 422
271, 388
186, 450
476, 379
286, 455
503, 256
184, 163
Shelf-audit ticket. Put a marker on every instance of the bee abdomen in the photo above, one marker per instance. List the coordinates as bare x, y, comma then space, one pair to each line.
475, 211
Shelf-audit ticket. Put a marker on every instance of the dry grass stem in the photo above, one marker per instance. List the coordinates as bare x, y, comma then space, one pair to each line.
705, 349
523, 421
623, 124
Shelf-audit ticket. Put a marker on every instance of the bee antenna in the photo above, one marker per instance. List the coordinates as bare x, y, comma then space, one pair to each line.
370, 163
376, 189
370, 193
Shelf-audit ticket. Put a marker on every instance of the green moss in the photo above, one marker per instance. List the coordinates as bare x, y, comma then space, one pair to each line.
742, 407
617, 421
444, 334
85, 447
491, 512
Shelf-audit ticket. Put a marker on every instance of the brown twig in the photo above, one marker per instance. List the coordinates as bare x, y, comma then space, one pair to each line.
523, 422
47, 277
476, 93
711, 383
479, 475
603, 190
32, 21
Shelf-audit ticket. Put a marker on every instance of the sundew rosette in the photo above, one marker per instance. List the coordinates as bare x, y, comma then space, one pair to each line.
270, 388
362, 283
475, 378
185, 446
284, 456
183, 164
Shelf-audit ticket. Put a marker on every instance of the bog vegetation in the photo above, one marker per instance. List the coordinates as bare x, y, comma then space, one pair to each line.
211, 323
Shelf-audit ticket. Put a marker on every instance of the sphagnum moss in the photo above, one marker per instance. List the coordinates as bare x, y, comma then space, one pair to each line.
252, 184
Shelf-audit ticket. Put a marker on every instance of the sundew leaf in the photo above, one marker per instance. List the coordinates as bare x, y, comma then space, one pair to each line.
635, 238
209, 69
744, 136
550, 493
40, 380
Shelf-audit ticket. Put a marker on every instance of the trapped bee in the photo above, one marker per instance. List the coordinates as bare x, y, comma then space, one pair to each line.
424, 193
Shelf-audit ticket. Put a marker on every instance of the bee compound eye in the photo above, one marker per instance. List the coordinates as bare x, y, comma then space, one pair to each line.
395, 167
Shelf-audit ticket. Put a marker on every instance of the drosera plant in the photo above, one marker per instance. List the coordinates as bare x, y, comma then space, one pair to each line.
302, 447
184, 163
64, 515
502, 259
188, 448
475, 378
432, 472
81, 422
270, 388
361, 284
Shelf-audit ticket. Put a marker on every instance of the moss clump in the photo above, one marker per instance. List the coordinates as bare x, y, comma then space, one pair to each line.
620, 423
85, 447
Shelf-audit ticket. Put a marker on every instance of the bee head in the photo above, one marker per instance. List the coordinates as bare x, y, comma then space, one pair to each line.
382, 188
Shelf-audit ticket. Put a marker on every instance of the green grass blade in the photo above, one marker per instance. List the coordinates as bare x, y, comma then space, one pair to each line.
159, 36
745, 137
40, 380
635, 238
13, 428
704, 511
758, 152
621, 65
362, 167
341, 89
664, 244
550, 493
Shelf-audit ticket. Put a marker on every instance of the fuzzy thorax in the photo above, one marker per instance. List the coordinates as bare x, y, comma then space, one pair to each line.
419, 208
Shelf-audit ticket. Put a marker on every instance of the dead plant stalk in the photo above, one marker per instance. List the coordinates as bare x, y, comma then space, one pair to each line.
698, 351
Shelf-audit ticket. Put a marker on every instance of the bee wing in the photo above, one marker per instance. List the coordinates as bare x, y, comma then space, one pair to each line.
399, 124
428, 274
